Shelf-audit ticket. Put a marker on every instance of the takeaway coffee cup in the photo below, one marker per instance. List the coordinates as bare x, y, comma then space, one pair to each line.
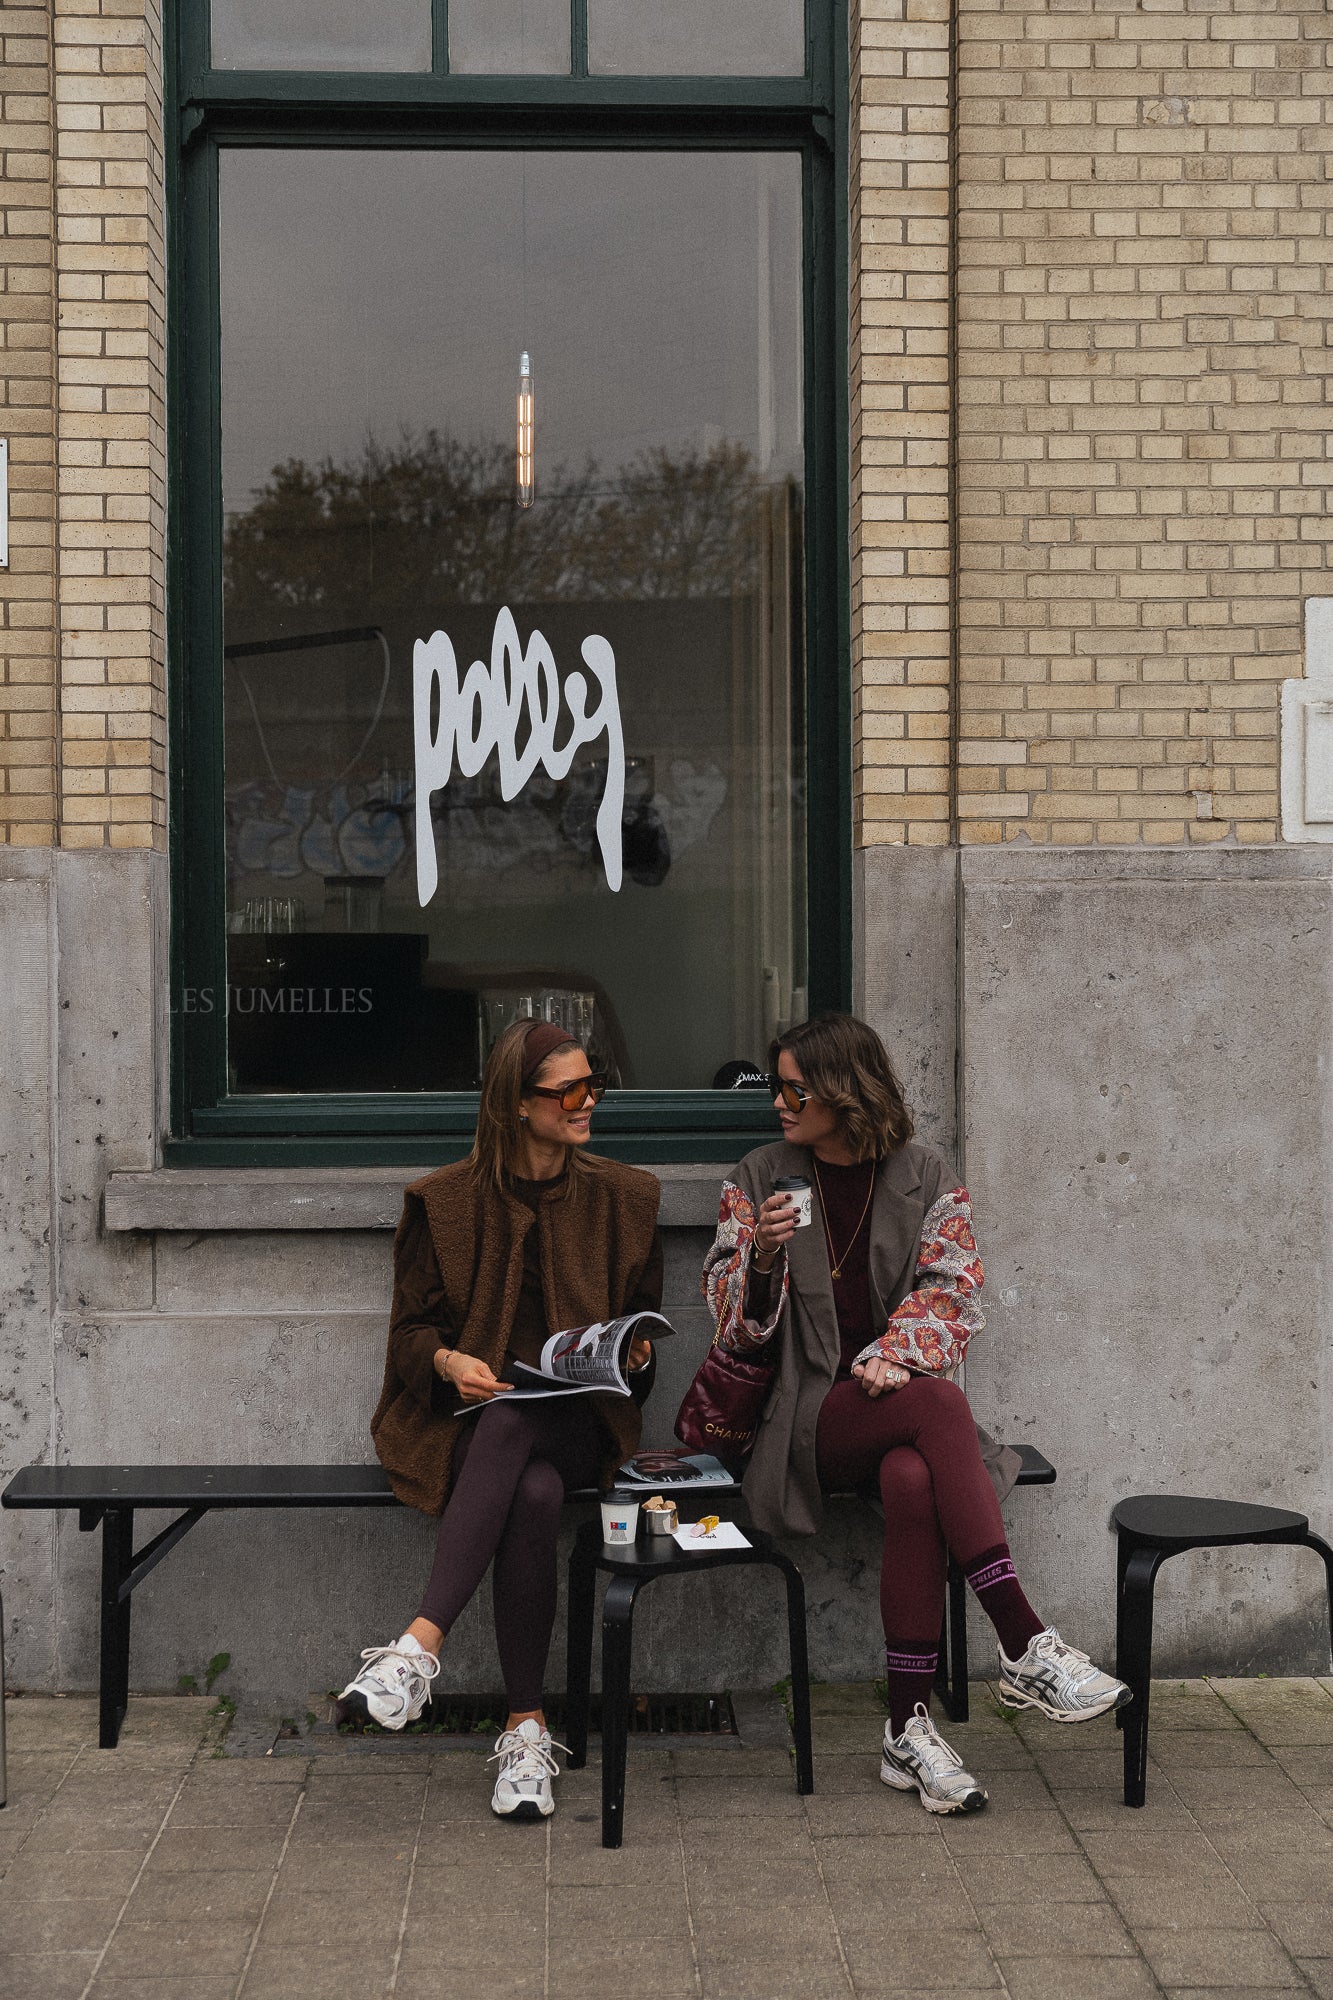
798, 1188
620, 1520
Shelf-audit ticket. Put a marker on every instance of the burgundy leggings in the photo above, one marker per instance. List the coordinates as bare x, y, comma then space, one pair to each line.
512, 1468
918, 1446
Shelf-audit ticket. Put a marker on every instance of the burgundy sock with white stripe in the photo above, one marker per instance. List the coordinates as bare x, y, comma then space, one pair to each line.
1000, 1595
909, 1669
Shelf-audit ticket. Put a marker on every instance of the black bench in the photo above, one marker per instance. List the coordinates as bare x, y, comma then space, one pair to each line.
107, 1496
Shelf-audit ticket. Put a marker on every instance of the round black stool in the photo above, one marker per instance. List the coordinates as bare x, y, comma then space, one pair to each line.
1149, 1528
629, 1569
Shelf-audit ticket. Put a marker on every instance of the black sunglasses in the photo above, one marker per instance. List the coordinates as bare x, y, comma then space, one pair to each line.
572, 1096
794, 1095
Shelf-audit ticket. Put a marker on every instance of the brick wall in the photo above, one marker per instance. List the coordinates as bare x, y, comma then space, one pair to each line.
27, 420
111, 439
83, 721
901, 538
1143, 384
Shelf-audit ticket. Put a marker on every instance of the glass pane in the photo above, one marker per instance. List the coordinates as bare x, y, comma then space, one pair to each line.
321, 34
509, 37
486, 759
696, 38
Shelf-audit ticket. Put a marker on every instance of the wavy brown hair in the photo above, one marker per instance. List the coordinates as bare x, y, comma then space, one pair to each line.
494, 1156
847, 1067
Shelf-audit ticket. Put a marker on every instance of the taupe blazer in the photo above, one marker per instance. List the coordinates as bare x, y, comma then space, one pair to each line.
781, 1482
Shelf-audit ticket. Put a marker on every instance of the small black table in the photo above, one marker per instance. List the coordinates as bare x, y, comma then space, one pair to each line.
629, 1569
1150, 1527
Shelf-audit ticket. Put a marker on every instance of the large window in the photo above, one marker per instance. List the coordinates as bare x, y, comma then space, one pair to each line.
509, 635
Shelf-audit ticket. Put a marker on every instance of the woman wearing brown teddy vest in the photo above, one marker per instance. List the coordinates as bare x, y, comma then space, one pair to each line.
524, 1238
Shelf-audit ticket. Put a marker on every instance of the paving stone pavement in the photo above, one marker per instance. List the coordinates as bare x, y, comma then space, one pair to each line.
174, 1869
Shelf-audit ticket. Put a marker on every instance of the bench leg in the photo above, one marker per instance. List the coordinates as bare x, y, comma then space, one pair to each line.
798, 1652
578, 1655
617, 1638
117, 1560
1133, 1664
1321, 1548
4, 1777
951, 1673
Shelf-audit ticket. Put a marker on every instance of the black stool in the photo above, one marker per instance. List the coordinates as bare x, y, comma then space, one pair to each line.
630, 1568
1149, 1528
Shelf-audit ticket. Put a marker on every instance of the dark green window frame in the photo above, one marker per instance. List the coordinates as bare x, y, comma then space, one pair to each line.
208, 109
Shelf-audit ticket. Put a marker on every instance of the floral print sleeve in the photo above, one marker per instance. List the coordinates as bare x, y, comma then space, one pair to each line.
727, 1276
929, 1331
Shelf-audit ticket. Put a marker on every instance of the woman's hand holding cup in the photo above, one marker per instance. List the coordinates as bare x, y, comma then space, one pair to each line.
775, 1223
474, 1381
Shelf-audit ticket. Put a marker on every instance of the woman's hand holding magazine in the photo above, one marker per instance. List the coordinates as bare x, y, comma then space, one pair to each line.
585, 1359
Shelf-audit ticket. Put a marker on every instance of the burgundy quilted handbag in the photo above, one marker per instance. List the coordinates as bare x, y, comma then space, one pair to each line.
723, 1404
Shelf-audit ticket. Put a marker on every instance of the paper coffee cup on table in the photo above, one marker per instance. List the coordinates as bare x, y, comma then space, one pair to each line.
620, 1521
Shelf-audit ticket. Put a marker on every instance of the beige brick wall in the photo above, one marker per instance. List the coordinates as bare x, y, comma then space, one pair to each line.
900, 555
27, 420
83, 722
111, 412
1143, 387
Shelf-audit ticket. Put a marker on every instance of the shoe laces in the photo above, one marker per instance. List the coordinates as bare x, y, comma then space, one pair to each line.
424, 1664
1076, 1664
511, 1744
929, 1745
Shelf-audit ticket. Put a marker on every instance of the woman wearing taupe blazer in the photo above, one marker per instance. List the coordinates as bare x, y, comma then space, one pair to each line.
871, 1308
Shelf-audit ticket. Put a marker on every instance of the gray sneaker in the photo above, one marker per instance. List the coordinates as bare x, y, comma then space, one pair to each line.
1059, 1680
392, 1687
921, 1757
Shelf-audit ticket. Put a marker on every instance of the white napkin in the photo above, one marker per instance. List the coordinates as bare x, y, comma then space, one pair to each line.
726, 1535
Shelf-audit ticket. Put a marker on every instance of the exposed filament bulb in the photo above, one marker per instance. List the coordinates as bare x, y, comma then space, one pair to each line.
527, 482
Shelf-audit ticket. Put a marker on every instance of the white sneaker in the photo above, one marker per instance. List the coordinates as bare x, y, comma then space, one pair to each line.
526, 1757
921, 1757
392, 1687
1059, 1680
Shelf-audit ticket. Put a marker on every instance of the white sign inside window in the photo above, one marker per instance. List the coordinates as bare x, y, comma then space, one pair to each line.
519, 697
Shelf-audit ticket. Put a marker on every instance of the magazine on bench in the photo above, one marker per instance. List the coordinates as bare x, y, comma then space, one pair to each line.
583, 1360
672, 1471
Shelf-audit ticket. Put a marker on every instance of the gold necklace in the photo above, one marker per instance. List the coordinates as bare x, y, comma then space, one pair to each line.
835, 1262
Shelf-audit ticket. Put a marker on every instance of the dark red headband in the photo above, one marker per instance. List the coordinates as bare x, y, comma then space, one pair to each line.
543, 1039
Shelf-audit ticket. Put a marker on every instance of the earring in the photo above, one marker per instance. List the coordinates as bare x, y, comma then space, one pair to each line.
522, 1117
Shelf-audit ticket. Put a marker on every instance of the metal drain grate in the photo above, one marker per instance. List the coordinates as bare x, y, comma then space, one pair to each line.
650, 1715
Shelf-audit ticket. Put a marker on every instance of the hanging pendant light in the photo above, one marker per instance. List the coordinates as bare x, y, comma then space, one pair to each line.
526, 473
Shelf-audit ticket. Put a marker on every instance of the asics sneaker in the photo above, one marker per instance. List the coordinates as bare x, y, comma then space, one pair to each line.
921, 1757
1059, 1680
526, 1757
392, 1687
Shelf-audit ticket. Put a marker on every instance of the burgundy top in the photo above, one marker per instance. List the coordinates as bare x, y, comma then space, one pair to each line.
846, 1191
529, 1333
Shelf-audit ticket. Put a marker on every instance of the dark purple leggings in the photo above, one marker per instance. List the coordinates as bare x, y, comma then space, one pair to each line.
512, 1468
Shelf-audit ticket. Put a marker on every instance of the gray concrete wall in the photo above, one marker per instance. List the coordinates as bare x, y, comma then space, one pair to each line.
1147, 1134
1148, 1145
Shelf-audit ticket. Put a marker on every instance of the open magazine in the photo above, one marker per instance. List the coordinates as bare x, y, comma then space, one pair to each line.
672, 1472
584, 1359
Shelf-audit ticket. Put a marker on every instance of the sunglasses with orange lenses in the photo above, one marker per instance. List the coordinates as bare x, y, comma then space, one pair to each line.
795, 1096
572, 1096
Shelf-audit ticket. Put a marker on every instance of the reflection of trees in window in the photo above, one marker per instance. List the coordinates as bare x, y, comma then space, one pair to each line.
435, 520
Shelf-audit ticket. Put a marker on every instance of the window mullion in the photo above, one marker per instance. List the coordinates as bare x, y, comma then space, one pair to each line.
439, 37
578, 38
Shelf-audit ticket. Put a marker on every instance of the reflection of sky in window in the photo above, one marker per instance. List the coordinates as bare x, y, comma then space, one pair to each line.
372, 292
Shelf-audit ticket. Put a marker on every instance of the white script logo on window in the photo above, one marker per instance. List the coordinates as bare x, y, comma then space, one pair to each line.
519, 697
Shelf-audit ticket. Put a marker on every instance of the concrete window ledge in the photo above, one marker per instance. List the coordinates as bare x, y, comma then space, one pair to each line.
203, 1199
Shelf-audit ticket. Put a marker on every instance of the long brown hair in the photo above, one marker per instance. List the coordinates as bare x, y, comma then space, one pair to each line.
847, 1067
495, 1156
